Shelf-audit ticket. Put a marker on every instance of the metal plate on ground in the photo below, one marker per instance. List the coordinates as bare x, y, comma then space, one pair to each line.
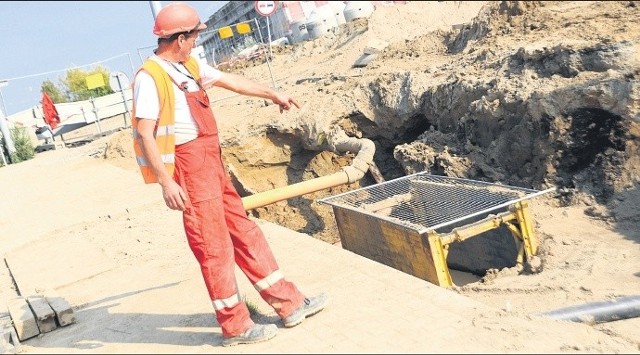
425, 202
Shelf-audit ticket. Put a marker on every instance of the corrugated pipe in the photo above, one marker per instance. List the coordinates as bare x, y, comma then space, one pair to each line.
341, 143
599, 312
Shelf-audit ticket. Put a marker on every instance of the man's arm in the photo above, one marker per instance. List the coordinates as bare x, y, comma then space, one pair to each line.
244, 86
173, 194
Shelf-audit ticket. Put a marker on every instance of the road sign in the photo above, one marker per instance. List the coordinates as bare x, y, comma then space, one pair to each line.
118, 81
94, 81
266, 8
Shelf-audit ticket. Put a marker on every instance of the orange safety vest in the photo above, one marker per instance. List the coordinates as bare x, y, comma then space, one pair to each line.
164, 132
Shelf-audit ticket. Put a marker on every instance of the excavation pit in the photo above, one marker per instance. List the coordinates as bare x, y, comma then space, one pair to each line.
424, 224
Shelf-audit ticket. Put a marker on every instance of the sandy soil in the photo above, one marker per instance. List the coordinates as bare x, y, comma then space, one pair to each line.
537, 95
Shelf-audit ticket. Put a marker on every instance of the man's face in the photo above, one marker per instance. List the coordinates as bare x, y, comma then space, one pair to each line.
193, 38
187, 43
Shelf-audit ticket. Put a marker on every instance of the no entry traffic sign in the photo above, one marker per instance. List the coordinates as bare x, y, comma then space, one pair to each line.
266, 8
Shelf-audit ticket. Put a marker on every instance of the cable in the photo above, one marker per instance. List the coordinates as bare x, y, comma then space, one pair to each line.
62, 70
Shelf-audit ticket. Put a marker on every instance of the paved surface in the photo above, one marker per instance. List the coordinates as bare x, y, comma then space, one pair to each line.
160, 305
372, 309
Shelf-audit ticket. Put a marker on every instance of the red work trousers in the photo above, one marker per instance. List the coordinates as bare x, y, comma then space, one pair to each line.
220, 234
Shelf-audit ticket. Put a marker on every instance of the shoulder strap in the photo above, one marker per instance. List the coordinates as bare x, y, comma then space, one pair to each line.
194, 69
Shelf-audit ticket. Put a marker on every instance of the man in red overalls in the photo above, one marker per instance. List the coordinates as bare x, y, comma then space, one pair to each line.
177, 145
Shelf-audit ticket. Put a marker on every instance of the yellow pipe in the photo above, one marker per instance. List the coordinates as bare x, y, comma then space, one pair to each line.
349, 174
301, 188
528, 236
439, 254
514, 230
460, 234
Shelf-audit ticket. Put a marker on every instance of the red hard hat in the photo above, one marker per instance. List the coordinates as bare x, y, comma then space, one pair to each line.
175, 18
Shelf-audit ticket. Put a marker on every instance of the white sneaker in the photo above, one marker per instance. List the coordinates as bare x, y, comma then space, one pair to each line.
309, 307
257, 333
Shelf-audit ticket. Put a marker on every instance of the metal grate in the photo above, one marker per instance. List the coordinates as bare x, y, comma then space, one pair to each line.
425, 202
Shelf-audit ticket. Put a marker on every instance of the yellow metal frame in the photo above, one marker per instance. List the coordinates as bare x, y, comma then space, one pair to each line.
518, 212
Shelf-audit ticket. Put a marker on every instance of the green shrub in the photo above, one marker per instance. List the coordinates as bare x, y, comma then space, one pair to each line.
254, 310
22, 143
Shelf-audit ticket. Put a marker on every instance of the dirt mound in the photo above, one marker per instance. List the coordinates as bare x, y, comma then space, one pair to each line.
517, 104
119, 150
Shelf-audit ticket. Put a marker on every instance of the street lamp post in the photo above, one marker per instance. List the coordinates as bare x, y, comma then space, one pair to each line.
156, 6
6, 140
3, 83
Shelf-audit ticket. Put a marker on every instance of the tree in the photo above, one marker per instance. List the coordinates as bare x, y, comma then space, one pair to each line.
24, 149
75, 83
56, 95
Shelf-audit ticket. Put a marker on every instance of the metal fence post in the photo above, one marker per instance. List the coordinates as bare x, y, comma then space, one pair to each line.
95, 112
4, 161
273, 81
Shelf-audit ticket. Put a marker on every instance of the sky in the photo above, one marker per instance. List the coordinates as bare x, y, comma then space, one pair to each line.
41, 40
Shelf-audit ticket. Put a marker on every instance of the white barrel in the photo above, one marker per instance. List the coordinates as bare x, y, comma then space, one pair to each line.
299, 31
321, 21
357, 9
338, 11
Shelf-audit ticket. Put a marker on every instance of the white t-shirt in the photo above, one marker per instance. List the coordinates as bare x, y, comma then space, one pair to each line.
147, 105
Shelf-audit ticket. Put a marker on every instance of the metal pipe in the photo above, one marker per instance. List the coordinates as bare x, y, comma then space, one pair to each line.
6, 135
156, 6
599, 312
3, 83
349, 174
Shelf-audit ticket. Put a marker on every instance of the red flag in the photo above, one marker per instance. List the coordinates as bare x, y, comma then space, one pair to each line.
51, 116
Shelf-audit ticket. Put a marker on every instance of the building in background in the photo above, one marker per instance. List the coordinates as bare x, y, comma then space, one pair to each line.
217, 40
237, 25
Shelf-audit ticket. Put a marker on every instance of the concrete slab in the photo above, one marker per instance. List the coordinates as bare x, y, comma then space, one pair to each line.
45, 317
9, 342
63, 311
42, 201
49, 146
7, 288
47, 263
24, 321
364, 60
5, 321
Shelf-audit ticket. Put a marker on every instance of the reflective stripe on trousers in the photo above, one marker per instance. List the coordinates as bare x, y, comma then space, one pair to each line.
220, 233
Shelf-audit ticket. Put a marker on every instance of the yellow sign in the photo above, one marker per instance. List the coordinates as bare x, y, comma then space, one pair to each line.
95, 81
225, 32
243, 28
